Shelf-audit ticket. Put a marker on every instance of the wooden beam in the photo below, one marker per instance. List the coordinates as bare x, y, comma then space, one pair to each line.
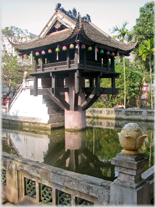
84, 59
86, 102
35, 64
98, 85
76, 102
55, 99
62, 100
91, 81
107, 91
90, 100
62, 89
54, 83
112, 63
107, 62
77, 82
68, 59
42, 64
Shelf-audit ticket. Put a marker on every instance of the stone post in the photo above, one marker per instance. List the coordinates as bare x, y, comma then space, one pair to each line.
129, 188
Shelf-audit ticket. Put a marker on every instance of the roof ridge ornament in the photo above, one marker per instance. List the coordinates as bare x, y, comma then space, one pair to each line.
86, 18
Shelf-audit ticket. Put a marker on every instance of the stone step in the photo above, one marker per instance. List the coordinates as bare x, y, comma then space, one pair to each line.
57, 125
56, 118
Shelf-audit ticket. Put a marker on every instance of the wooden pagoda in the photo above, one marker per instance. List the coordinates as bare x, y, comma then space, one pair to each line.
69, 52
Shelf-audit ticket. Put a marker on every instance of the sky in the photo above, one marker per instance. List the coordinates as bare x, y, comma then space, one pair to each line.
105, 14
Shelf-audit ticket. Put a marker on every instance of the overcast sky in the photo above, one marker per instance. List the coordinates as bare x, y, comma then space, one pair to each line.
33, 15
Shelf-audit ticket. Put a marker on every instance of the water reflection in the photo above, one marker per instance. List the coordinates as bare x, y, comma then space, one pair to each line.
87, 152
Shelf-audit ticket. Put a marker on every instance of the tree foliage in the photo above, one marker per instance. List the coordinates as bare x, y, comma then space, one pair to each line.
146, 50
144, 30
12, 66
15, 34
12, 71
122, 32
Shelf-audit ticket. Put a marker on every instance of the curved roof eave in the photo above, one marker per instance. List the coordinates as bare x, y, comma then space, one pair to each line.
98, 36
45, 41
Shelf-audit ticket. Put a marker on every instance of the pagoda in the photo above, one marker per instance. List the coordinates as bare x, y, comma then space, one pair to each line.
71, 55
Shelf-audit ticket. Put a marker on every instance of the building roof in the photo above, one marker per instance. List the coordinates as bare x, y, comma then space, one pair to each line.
63, 26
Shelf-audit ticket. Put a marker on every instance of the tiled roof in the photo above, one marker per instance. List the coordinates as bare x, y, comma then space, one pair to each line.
87, 29
47, 40
99, 37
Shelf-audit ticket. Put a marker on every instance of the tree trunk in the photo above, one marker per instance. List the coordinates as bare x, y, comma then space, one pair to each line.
151, 85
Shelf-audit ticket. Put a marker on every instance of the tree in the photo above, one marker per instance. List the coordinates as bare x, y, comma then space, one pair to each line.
12, 71
122, 32
146, 50
144, 30
15, 34
12, 67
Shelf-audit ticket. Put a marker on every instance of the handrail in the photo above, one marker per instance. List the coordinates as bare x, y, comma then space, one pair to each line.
15, 96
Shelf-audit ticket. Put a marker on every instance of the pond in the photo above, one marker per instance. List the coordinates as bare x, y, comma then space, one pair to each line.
87, 152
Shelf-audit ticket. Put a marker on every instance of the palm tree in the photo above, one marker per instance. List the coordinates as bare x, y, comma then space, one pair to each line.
122, 33
146, 50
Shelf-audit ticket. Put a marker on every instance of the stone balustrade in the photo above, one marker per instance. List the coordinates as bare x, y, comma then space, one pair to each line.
117, 113
41, 184
45, 184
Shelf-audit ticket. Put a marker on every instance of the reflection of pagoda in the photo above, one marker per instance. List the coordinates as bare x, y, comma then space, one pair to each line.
68, 51
75, 156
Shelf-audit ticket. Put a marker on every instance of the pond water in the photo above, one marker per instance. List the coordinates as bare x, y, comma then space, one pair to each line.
87, 152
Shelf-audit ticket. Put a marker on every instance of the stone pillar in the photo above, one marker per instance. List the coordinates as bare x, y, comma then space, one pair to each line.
129, 188
74, 119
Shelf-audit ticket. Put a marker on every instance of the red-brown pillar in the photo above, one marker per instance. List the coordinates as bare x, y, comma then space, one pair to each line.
74, 119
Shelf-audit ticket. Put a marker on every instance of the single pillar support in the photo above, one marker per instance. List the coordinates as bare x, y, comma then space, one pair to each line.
129, 188
75, 118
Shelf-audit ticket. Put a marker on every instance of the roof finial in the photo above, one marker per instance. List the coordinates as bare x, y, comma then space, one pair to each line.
74, 12
58, 6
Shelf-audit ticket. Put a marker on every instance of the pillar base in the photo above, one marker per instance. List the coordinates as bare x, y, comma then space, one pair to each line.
75, 120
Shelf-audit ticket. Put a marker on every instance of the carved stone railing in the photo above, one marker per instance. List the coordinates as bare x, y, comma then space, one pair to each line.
45, 184
41, 184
